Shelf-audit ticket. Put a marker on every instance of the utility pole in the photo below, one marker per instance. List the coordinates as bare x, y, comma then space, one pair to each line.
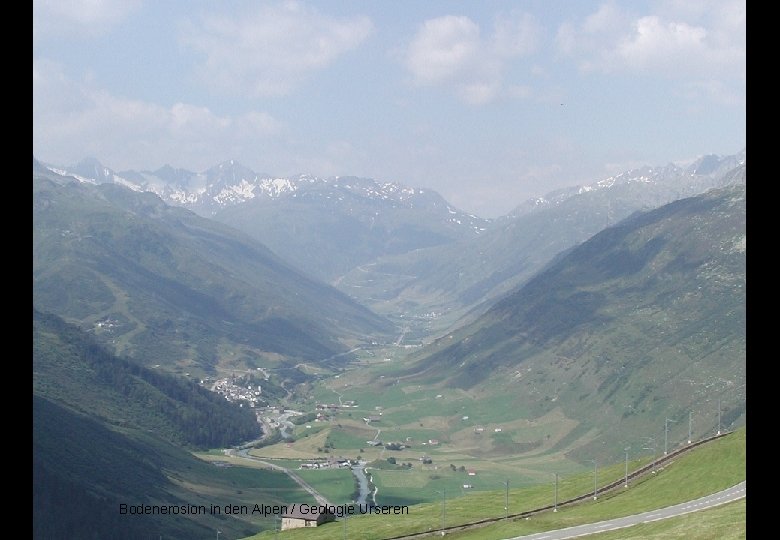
555, 507
690, 425
627, 448
506, 498
666, 434
595, 488
654, 448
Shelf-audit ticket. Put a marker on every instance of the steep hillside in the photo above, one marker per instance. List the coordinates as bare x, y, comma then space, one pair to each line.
441, 284
644, 321
162, 284
329, 227
71, 368
324, 226
107, 431
83, 470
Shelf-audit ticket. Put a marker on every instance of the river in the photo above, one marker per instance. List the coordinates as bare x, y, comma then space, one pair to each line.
360, 473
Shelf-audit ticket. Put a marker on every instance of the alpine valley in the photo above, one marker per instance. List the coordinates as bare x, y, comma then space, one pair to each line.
231, 337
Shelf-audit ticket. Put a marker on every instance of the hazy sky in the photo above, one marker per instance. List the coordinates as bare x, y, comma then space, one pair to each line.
487, 102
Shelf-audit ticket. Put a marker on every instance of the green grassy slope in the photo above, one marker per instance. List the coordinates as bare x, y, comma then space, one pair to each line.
163, 284
707, 469
727, 522
452, 280
645, 321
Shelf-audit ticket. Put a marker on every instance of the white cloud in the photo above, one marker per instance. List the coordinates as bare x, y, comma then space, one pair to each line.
682, 40
451, 50
719, 15
79, 18
443, 49
269, 51
604, 26
655, 44
72, 119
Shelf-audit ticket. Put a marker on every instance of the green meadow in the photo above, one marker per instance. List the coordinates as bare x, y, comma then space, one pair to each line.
707, 469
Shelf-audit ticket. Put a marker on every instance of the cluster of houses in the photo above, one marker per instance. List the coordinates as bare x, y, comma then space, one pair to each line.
234, 392
107, 324
330, 463
347, 404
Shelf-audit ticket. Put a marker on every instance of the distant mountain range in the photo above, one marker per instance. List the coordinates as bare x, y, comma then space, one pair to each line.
405, 252
665, 183
439, 285
324, 226
164, 285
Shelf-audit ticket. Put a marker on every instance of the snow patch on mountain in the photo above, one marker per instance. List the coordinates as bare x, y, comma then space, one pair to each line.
230, 183
694, 177
240, 192
63, 172
182, 197
275, 187
116, 179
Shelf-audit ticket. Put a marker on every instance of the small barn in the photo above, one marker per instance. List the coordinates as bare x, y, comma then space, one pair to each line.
294, 518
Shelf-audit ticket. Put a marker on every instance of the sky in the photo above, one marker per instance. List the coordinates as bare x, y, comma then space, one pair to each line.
487, 102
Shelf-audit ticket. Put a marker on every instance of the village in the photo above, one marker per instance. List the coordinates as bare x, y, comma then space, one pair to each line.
237, 393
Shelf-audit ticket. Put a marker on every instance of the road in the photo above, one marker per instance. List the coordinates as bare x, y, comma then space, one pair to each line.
244, 454
727, 495
282, 421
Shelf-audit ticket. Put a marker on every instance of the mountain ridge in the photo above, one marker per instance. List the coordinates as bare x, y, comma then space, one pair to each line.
323, 226
645, 320
403, 251
463, 280
170, 284
230, 176
229, 183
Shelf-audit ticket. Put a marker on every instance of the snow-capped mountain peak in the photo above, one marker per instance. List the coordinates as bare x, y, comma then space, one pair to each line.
667, 182
230, 183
